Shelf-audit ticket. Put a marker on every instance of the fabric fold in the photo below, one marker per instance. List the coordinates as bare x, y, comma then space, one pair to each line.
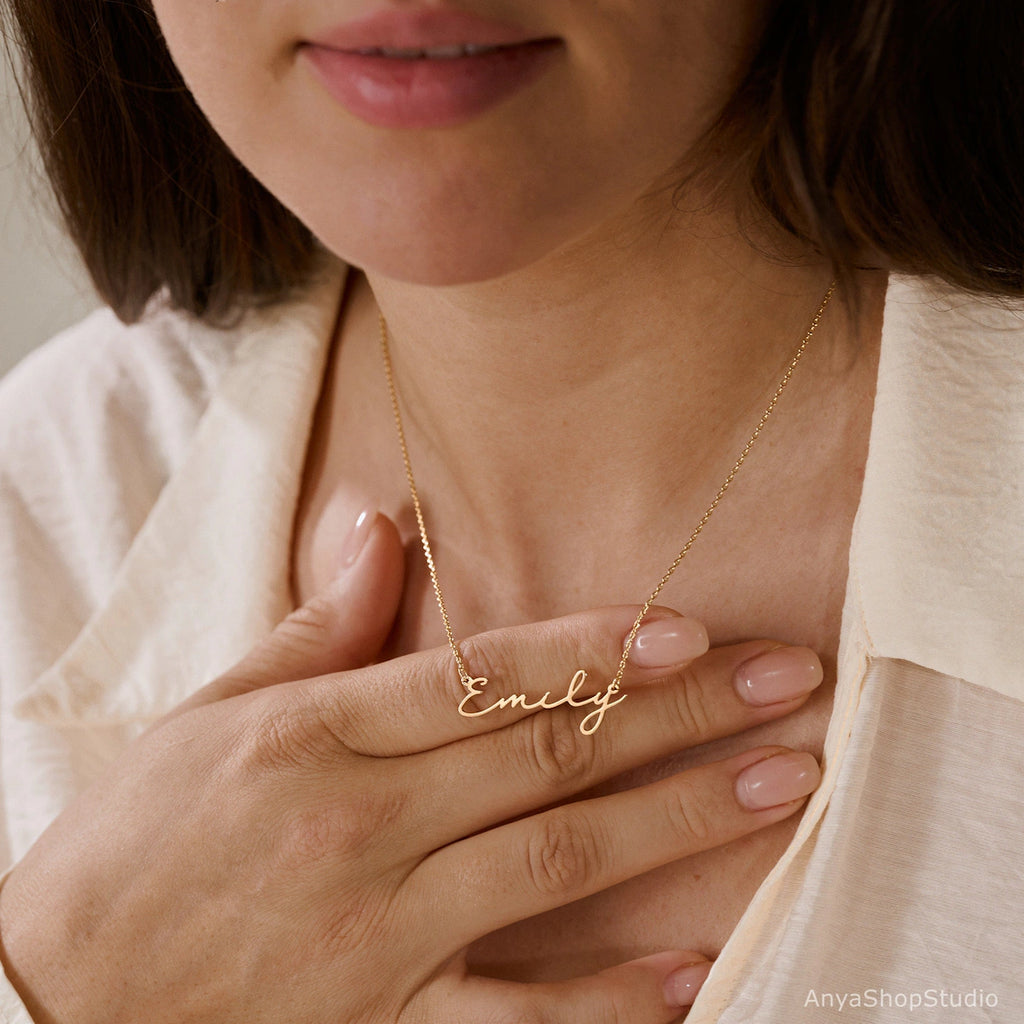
128, 664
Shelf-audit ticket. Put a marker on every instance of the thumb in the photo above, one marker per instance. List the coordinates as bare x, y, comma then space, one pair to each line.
342, 627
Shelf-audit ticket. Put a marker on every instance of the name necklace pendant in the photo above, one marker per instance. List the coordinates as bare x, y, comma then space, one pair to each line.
611, 696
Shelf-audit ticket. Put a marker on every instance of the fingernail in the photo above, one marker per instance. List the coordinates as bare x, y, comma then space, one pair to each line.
667, 642
682, 986
777, 780
778, 675
357, 537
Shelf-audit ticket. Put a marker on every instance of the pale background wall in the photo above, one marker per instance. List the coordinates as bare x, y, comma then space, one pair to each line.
42, 288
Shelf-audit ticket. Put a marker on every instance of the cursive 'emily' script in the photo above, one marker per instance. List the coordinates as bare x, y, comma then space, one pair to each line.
603, 700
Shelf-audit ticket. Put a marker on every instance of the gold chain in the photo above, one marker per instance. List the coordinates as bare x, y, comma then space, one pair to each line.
473, 685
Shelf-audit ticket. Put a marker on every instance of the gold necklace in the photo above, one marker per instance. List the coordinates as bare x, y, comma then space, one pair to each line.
609, 697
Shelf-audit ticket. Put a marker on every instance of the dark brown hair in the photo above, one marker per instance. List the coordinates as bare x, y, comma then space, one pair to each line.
886, 130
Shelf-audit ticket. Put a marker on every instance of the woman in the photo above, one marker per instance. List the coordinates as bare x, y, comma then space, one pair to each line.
589, 250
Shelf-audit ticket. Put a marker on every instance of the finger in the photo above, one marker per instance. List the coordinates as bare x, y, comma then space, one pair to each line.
342, 627
545, 758
651, 990
544, 861
419, 702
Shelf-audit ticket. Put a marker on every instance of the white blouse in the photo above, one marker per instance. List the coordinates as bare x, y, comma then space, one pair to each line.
148, 482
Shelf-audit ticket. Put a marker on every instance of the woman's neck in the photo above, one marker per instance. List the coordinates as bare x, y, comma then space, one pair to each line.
610, 357
580, 411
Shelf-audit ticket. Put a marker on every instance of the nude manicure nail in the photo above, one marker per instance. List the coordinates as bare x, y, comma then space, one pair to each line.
777, 780
357, 537
778, 675
681, 986
667, 642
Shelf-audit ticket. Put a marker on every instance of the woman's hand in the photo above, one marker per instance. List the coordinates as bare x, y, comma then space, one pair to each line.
324, 850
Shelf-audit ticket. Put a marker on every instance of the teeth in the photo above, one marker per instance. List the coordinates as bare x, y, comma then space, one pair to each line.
429, 53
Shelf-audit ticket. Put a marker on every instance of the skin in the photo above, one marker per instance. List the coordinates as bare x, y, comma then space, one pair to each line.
551, 310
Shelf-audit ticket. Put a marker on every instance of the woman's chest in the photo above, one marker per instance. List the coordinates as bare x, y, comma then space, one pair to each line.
790, 587
790, 590
774, 567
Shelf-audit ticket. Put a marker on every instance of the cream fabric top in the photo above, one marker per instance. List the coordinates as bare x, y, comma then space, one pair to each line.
148, 481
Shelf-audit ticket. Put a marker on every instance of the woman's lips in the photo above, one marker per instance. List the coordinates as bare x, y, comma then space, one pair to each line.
426, 92
425, 67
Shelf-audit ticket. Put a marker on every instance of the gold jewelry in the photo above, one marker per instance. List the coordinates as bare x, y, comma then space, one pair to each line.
610, 697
